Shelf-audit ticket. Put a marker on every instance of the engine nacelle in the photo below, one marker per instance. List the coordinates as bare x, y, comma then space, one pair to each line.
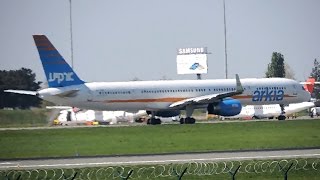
168, 113
226, 107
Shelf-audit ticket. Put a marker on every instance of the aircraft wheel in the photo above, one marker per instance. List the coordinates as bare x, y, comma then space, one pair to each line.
281, 117
190, 120
181, 120
157, 121
153, 121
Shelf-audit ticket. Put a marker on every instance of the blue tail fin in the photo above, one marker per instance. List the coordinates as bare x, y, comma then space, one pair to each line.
57, 70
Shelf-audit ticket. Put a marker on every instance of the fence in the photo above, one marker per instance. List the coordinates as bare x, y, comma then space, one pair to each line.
196, 170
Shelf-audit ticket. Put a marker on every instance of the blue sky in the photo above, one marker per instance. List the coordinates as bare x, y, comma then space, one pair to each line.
119, 40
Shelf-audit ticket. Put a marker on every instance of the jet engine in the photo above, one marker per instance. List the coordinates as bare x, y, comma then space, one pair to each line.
226, 107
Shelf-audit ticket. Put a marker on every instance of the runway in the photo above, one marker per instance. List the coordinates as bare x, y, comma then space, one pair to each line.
79, 162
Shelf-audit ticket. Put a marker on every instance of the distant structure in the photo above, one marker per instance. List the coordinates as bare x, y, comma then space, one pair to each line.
192, 61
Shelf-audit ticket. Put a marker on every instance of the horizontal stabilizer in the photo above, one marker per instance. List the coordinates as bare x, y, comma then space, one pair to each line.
33, 93
59, 107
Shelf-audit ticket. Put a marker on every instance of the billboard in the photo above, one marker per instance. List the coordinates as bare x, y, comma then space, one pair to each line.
192, 64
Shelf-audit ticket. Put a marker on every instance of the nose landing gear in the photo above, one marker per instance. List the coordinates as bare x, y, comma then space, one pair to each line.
282, 115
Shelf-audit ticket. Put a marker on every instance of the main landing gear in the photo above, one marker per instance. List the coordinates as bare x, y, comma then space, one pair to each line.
188, 119
153, 120
282, 115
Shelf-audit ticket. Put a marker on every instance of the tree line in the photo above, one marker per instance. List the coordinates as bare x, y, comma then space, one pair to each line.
22, 79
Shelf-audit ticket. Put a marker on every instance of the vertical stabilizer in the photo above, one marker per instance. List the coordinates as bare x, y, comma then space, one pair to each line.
309, 85
57, 70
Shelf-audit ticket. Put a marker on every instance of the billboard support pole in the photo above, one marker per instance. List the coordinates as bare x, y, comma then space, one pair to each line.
199, 76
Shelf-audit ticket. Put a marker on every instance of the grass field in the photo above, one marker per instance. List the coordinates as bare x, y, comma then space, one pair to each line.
158, 139
23, 118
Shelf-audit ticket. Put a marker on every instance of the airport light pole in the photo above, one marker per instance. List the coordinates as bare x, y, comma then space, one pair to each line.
70, 1
225, 39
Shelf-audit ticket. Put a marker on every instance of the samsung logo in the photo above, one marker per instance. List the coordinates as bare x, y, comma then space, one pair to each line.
201, 50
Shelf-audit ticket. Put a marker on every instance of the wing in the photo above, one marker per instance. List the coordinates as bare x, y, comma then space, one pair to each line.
209, 98
33, 93
68, 93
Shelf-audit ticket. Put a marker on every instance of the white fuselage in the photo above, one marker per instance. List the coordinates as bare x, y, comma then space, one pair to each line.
159, 95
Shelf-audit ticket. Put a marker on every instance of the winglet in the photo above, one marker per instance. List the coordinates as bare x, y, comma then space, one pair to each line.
239, 87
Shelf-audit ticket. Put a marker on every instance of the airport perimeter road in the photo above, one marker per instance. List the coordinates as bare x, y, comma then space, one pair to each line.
158, 159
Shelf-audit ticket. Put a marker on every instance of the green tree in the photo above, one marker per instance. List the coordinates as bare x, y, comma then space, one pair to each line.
276, 67
315, 73
22, 79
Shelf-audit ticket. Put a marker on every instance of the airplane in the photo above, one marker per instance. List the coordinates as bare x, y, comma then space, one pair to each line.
164, 98
270, 111
309, 84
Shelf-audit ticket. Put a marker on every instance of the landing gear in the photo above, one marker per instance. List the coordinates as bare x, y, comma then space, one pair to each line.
188, 119
153, 120
282, 115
